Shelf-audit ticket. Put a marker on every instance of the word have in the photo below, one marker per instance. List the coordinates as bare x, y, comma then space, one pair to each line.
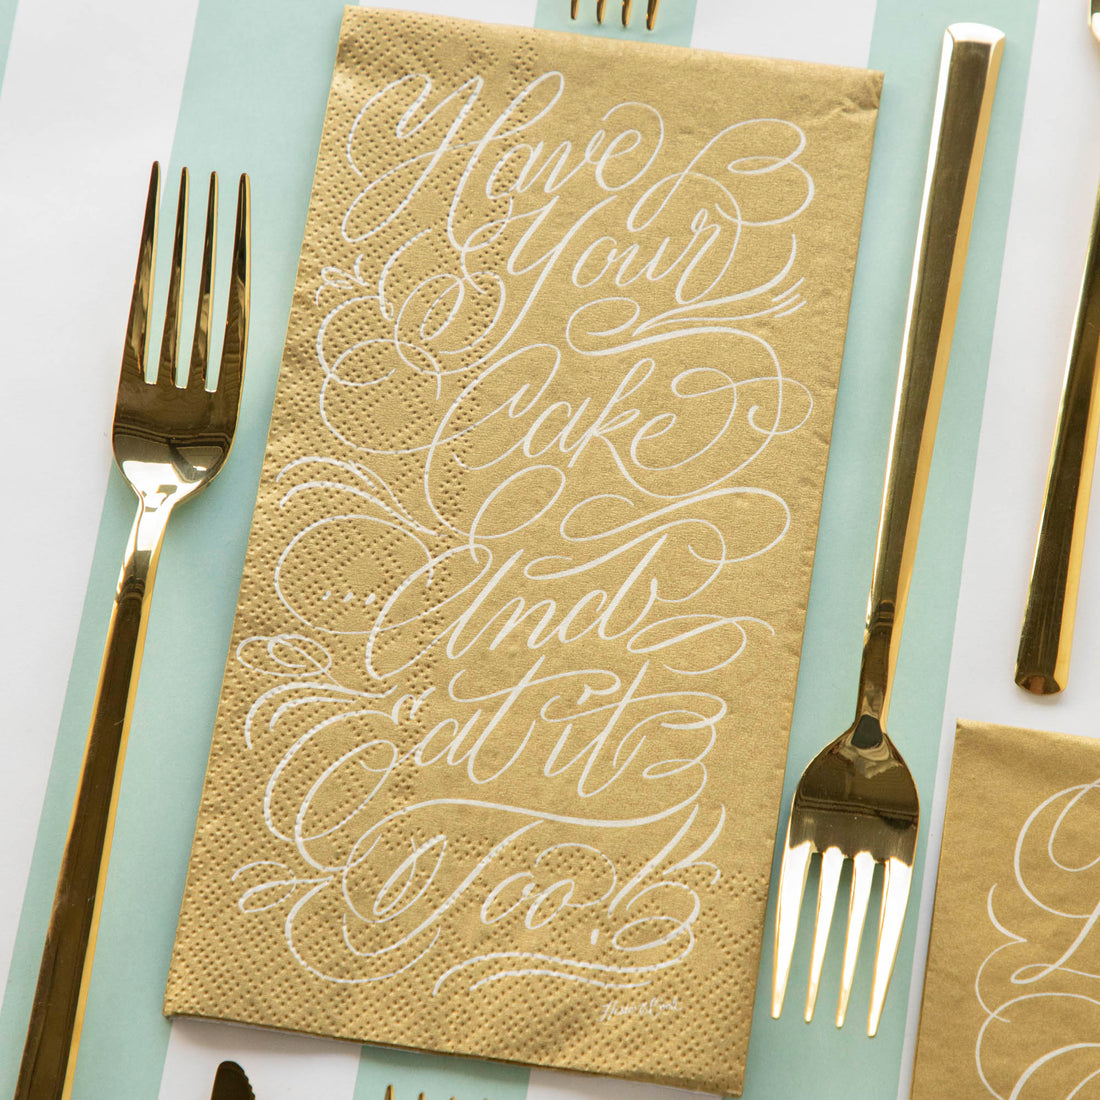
683, 231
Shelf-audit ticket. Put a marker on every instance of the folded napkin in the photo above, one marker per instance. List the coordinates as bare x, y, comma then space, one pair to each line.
500, 747
1012, 988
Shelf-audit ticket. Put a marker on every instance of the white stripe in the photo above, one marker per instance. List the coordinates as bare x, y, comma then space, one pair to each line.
800, 30
279, 1066
90, 96
1056, 176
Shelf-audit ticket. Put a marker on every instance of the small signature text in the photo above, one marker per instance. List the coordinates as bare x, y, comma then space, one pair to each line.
655, 1006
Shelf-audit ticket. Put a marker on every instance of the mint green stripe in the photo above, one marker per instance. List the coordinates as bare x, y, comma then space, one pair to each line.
787, 1059
7, 21
675, 19
253, 100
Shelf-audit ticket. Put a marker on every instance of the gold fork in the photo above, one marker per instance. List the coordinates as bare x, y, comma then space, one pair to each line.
857, 799
170, 437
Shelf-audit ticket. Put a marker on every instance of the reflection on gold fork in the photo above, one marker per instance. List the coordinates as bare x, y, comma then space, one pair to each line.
601, 10
857, 800
170, 437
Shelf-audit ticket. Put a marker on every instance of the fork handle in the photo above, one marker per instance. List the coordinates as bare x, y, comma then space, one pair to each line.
57, 1013
964, 99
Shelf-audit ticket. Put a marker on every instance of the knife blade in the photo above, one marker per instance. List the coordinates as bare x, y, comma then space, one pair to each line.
231, 1083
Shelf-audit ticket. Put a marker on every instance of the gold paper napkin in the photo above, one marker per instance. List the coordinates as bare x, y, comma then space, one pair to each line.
1012, 988
500, 746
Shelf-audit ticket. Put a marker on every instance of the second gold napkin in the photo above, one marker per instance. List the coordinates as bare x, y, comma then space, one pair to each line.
1012, 987
501, 741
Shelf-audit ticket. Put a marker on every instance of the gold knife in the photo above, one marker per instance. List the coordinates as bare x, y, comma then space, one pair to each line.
1046, 638
231, 1083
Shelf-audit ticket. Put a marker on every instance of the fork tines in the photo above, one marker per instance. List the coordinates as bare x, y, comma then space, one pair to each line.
794, 870
169, 372
601, 10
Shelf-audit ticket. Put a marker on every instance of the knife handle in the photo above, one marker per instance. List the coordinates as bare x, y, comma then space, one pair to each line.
1042, 662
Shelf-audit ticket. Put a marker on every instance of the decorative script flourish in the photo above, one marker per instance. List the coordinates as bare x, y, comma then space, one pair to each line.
1040, 992
509, 578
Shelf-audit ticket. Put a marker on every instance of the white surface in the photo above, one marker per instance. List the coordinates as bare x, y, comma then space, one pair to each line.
70, 221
